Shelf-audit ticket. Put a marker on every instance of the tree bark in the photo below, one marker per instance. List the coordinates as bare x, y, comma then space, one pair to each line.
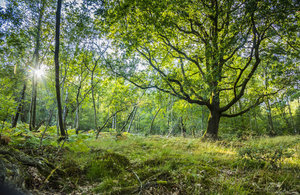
48, 123
270, 119
56, 60
214, 116
94, 102
291, 116
182, 127
32, 115
152, 122
76, 124
132, 118
19, 108
128, 118
65, 110
270, 128
213, 124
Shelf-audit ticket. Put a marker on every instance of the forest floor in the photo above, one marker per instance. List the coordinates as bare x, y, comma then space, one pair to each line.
131, 164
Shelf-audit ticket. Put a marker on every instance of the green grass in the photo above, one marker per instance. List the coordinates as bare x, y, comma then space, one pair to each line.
193, 166
111, 165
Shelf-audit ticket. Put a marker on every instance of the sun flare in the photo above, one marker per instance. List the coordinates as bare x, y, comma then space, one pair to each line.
40, 72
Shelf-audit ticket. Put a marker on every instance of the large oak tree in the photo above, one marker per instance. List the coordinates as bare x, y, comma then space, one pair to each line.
198, 50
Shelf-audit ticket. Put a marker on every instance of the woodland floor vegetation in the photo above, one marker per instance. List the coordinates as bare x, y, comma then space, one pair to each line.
150, 97
134, 164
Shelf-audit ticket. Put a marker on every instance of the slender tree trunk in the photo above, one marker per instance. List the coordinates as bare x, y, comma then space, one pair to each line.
269, 110
19, 108
32, 115
23, 115
255, 121
56, 56
152, 122
65, 111
112, 122
47, 125
291, 116
132, 118
76, 122
32, 104
270, 119
94, 103
202, 119
182, 127
57, 125
283, 114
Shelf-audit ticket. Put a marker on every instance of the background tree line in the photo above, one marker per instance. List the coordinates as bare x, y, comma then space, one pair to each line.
168, 68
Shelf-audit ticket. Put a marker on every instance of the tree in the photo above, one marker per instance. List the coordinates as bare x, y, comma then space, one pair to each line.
56, 59
204, 52
41, 8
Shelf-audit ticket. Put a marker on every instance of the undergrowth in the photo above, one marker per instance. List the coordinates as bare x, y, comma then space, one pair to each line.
132, 164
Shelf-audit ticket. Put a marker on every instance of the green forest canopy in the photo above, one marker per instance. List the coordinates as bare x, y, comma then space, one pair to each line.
153, 67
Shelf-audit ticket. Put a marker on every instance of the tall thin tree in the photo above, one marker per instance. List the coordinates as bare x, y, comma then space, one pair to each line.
56, 60
36, 66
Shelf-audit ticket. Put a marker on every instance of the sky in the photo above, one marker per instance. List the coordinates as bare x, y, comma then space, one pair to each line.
2, 3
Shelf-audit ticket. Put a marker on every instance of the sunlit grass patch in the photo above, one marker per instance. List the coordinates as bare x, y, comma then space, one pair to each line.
175, 164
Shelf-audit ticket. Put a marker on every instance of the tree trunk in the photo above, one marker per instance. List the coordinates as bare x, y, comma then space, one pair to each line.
182, 127
271, 130
132, 118
152, 122
56, 60
23, 111
213, 124
34, 76
48, 123
291, 116
32, 110
93, 98
19, 108
76, 122
65, 110
128, 118
202, 119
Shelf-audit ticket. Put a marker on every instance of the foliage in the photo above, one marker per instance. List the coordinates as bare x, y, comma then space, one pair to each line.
149, 79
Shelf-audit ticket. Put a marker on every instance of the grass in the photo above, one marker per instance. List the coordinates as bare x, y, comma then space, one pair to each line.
133, 164
193, 166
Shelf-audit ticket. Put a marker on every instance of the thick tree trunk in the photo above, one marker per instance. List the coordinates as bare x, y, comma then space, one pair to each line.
213, 124
56, 60
19, 108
